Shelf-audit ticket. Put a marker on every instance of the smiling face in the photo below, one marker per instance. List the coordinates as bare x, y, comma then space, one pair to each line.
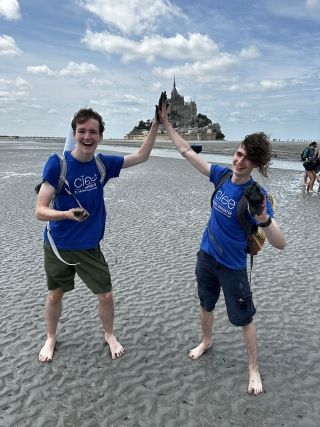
242, 167
87, 137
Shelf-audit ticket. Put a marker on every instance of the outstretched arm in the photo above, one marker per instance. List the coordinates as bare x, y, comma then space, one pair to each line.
181, 144
143, 154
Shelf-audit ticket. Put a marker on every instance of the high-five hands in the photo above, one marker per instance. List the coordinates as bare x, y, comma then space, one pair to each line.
162, 107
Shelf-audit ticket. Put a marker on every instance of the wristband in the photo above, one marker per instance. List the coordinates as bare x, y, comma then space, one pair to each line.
184, 152
265, 224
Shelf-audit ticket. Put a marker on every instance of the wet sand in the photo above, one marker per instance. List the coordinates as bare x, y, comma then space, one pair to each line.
289, 150
157, 213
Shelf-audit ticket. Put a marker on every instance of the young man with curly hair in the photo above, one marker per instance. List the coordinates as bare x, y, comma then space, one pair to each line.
222, 258
77, 223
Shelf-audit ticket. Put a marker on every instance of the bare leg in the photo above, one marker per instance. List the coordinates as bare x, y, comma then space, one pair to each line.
206, 343
312, 177
53, 313
249, 336
106, 313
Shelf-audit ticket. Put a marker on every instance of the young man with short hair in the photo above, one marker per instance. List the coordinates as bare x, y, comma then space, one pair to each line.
222, 259
77, 223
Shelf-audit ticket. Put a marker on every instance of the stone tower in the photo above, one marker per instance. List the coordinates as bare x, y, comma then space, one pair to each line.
182, 114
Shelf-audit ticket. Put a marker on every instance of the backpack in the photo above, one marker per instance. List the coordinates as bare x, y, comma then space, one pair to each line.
63, 172
255, 235
305, 154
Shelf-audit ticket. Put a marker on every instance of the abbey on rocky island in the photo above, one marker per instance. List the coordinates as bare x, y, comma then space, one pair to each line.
183, 117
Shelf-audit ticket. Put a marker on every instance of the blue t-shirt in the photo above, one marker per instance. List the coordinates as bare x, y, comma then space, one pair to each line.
84, 182
228, 241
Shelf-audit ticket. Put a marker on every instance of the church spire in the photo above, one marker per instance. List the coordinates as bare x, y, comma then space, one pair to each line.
174, 81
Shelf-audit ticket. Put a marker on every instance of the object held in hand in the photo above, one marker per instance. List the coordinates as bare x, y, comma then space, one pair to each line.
255, 198
80, 213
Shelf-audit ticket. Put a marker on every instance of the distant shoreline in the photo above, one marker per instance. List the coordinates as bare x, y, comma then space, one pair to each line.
282, 149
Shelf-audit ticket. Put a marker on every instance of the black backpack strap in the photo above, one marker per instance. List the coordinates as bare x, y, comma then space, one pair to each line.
243, 218
242, 215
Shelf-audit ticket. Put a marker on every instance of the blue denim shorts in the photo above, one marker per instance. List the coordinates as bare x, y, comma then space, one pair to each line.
212, 276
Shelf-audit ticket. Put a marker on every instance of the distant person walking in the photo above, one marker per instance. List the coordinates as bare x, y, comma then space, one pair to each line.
310, 165
222, 259
77, 223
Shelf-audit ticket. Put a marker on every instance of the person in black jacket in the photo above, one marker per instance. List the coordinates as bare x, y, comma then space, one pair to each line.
310, 165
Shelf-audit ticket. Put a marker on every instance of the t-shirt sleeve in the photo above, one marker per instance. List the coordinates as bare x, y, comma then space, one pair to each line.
113, 165
51, 171
216, 173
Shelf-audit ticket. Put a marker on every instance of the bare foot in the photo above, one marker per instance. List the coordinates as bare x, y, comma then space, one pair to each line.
198, 351
255, 383
46, 353
115, 347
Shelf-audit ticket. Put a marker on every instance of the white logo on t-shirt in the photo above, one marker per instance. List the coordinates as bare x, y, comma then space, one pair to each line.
223, 203
85, 183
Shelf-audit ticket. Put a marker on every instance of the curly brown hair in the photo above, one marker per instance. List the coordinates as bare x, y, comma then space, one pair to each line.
258, 150
85, 114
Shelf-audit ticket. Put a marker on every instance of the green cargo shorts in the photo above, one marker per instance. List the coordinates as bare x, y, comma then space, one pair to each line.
92, 269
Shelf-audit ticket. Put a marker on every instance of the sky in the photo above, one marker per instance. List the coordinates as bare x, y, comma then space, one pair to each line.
250, 65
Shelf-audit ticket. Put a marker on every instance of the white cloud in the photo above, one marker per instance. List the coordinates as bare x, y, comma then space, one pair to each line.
78, 70
243, 87
131, 17
12, 90
193, 47
40, 69
250, 52
156, 87
273, 84
18, 83
71, 70
4, 83
306, 9
264, 85
216, 69
36, 106
313, 3
100, 83
4, 94
8, 46
242, 104
22, 83
131, 99
10, 9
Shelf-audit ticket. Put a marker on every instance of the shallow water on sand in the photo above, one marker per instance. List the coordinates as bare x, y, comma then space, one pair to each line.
294, 165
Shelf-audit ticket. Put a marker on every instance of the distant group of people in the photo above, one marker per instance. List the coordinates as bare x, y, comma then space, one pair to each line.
311, 158
77, 217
